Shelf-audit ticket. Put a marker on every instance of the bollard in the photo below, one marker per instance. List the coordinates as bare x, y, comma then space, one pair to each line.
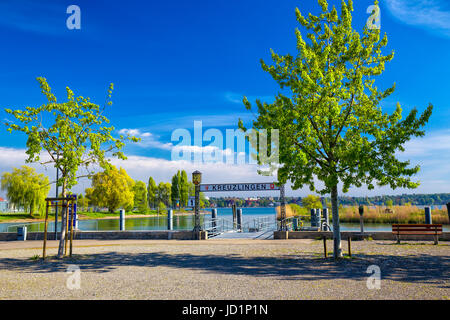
170, 219
74, 216
239, 219
428, 219
326, 219
233, 208
361, 220
122, 220
325, 246
21, 233
214, 218
313, 217
318, 218
295, 224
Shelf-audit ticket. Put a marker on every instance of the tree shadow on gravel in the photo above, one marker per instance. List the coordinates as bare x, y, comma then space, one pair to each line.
420, 268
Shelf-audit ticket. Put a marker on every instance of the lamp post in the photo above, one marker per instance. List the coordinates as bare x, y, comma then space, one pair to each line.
197, 179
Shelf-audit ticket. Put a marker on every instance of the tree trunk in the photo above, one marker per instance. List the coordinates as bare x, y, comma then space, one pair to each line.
337, 252
63, 224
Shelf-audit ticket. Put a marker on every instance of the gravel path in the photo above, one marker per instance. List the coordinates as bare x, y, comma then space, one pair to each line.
226, 269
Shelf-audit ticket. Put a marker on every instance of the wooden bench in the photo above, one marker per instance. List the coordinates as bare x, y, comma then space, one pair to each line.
434, 230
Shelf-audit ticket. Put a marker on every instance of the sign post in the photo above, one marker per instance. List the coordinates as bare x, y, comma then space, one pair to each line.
197, 179
283, 226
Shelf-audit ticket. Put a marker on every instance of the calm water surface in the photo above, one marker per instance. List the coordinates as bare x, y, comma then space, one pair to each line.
250, 215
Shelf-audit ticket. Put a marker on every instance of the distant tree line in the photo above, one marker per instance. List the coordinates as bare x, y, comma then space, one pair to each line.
386, 200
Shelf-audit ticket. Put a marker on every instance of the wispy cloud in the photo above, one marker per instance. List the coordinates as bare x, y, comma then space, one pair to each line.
148, 140
429, 14
435, 144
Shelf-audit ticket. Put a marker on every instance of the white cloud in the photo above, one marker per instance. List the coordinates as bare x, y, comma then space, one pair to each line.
435, 144
431, 152
148, 140
422, 13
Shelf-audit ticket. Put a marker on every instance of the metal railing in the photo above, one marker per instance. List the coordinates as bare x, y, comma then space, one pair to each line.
259, 224
217, 226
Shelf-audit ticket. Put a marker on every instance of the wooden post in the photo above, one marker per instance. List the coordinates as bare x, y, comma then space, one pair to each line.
325, 246
71, 226
349, 246
66, 238
45, 232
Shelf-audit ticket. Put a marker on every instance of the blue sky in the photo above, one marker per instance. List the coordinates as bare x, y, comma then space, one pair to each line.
173, 62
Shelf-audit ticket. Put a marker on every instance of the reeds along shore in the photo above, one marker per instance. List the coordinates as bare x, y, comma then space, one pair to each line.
377, 214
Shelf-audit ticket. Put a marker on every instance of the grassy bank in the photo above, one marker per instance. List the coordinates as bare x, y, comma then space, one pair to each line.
378, 214
25, 217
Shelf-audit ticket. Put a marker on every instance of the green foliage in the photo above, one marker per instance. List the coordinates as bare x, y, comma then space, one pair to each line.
82, 203
203, 201
163, 193
73, 133
161, 207
312, 202
389, 203
184, 189
176, 188
151, 192
140, 196
113, 189
25, 188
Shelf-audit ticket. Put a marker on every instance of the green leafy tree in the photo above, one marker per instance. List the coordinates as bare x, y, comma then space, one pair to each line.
175, 192
312, 202
25, 188
140, 196
184, 189
151, 192
82, 203
331, 123
161, 207
73, 134
163, 193
113, 189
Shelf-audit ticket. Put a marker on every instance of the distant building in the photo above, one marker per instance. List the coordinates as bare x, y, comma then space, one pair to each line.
3, 205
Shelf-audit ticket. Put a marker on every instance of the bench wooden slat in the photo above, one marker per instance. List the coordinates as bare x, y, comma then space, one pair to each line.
412, 229
434, 230
418, 233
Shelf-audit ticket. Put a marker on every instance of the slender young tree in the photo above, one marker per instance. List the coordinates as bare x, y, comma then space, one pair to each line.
184, 189
72, 135
331, 125
140, 196
175, 194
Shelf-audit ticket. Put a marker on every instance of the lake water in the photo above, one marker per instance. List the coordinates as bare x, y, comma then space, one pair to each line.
250, 216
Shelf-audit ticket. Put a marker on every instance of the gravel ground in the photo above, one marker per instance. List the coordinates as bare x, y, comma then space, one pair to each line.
226, 269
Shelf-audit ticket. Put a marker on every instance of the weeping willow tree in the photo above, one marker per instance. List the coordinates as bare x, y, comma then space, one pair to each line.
26, 189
